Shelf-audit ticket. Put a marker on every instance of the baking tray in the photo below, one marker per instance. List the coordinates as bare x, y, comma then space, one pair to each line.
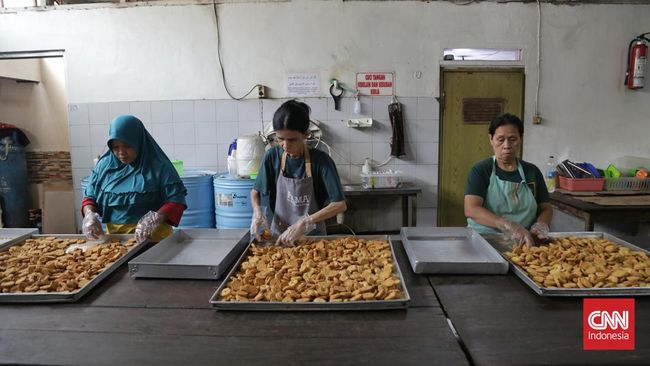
77, 294
313, 306
450, 250
191, 254
9, 234
502, 244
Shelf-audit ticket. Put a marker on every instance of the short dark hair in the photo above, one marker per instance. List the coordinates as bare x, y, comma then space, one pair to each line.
292, 115
506, 119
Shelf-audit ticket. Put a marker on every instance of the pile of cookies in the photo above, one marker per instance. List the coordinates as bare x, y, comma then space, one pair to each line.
333, 270
574, 262
42, 265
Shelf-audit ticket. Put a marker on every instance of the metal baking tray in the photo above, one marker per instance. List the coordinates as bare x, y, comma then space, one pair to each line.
9, 234
502, 244
191, 254
450, 250
77, 294
312, 306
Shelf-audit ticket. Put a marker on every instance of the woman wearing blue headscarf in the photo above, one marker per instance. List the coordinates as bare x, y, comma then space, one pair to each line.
134, 187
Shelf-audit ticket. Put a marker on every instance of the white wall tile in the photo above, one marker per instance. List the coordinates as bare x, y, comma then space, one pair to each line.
360, 134
206, 132
142, 110
77, 174
380, 107
81, 157
429, 196
427, 108
78, 114
340, 152
168, 149
248, 110
205, 111
222, 151
226, 111
161, 112
360, 151
381, 130
226, 132
186, 153
344, 173
427, 130
411, 154
182, 111
366, 107
380, 152
163, 134
98, 135
408, 172
318, 108
79, 135
98, 113
426, 175
355, 174
116, 109
184, 134
409, 108
249, 127
335, 132
207, 156
427, 152
427, 216
410, 127
269, 106
344, 112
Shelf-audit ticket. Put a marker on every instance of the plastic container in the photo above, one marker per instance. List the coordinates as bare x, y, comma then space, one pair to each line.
381, 179
627, 184
250, 150
582, 184
178, 165
550, 174
200, 204
232, 201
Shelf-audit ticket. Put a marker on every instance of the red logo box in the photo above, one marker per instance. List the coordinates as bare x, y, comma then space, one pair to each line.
608, 324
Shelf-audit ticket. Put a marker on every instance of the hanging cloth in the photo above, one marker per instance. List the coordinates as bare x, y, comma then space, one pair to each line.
397, 124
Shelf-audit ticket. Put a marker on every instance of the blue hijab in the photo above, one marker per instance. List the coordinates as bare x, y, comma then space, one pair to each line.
125, 192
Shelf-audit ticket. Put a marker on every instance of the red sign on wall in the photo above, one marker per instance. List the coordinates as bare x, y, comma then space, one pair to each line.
375, 83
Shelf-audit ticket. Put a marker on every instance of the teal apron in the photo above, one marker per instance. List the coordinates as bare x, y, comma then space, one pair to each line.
510, 200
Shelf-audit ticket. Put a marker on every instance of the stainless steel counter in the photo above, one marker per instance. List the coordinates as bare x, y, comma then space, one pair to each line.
407, 191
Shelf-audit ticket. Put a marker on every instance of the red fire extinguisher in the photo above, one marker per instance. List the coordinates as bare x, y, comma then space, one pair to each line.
637, 53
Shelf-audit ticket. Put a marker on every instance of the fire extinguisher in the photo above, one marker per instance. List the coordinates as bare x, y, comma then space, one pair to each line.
637, 53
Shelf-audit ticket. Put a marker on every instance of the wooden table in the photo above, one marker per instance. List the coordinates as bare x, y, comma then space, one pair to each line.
591, 212
125, 321
501, 321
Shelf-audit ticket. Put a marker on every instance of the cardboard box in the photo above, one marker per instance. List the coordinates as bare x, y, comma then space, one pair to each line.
58, 209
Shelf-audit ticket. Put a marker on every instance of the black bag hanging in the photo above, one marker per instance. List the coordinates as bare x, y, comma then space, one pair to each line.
397, 124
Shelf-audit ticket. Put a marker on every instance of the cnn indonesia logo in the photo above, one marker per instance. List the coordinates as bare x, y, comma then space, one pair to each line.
608, 324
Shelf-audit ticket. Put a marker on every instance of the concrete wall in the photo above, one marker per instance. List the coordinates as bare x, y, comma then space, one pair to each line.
121, 55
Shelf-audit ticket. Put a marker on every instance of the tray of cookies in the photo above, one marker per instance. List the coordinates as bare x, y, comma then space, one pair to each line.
318, 273
8, 234
59, 268
581, 264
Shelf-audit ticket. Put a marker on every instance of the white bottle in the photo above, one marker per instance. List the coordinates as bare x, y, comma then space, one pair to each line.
550, 174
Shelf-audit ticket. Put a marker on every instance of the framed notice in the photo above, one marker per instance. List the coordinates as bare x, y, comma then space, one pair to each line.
376, 83
303, 85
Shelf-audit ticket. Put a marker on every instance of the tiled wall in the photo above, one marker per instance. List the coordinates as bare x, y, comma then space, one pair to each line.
198, 133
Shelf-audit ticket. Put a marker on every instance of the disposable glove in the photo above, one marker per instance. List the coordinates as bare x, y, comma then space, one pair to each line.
517, 233
259, 226
296, 231
91, 227
540, 230
147, 225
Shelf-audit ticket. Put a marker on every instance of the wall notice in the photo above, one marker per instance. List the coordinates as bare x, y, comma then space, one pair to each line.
375, 83
303, 85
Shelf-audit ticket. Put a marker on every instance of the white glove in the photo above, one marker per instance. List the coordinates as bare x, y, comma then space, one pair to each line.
147, 225
296, 231
259, 225
540, 230
517, 233
91, 227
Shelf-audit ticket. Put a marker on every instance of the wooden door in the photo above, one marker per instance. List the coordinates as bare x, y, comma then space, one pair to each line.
470, 99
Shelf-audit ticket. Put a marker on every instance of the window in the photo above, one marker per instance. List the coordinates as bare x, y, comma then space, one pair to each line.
481, 54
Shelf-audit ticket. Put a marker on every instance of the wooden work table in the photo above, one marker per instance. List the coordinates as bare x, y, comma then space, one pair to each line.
592, 212
126, 321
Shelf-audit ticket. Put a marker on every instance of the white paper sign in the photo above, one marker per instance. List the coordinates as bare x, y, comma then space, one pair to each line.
375, 83
303, 85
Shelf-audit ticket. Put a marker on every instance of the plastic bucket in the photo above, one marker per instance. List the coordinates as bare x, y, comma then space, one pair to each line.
178, 165
200, 204
250, 150
232, 201
13, 184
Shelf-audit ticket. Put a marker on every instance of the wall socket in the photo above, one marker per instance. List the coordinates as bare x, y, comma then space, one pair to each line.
261, 91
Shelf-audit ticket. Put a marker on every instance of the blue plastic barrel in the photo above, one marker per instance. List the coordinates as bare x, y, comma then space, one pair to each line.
13, 184
199, 199
232, 201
